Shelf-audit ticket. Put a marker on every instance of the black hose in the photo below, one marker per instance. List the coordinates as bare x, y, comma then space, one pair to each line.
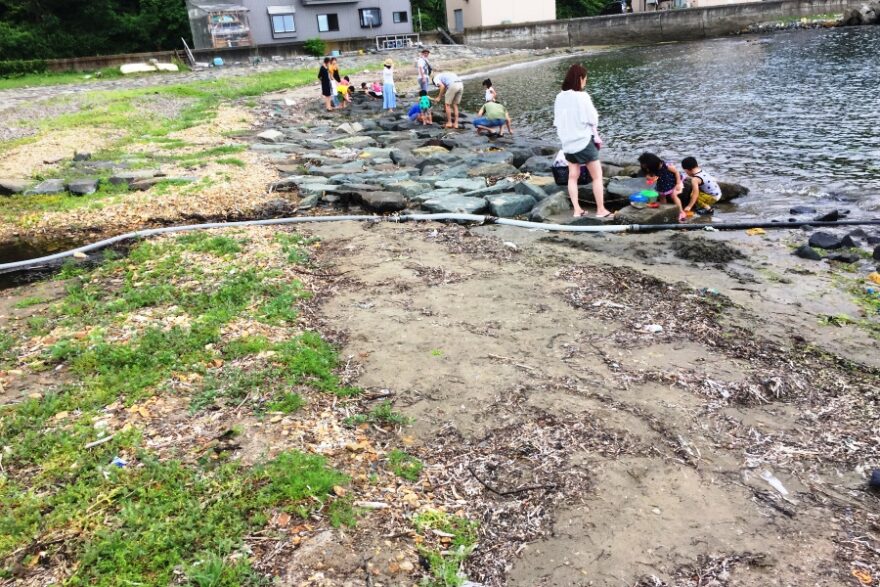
748, 225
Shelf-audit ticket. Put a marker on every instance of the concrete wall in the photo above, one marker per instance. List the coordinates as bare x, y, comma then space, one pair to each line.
665, 25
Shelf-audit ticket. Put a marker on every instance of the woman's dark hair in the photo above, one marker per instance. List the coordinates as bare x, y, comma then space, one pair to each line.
326, 60
487, 83
689, 163
651, 162
573, 78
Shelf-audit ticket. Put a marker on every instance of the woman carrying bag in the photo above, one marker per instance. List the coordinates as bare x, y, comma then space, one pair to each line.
576, 122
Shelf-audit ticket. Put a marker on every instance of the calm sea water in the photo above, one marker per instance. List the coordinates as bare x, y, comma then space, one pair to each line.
792, 115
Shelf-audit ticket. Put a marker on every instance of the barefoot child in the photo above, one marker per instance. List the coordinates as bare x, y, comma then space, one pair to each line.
425, 115
668, 182
705, 191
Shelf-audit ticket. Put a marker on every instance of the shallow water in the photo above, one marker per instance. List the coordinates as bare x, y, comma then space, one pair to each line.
791, 115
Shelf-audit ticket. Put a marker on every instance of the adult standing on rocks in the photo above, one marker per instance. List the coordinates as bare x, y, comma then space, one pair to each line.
451, 89
326, 85
423, 66
576, 121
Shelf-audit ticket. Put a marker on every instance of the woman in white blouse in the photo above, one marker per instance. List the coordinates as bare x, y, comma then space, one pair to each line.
576, 122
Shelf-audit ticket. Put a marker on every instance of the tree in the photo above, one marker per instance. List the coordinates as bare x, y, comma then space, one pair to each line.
45, 29
433, 14
578, 8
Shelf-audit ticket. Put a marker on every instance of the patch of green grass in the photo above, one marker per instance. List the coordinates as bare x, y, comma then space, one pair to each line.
436, 353
281, 308
214, 570
58, 78
231, 161
234, 386
30, 301
381, 414
244, 346
298, 481
295, 246
405, 465
38, 325
309, 360
342, 513
445, 565
7, 343
286, 403
202, 242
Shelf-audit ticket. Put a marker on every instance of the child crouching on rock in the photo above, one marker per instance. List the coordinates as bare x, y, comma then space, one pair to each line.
705, 191
492, 116
425, 115
669, 183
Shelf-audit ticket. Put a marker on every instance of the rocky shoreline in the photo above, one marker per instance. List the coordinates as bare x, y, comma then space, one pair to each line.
361, 160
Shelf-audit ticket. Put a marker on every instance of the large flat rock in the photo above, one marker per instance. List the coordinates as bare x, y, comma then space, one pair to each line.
380, 201
129, 177
492, 170
85, 186
10, 187
509, 205
455, 203
50, 186
549, 207
464, 184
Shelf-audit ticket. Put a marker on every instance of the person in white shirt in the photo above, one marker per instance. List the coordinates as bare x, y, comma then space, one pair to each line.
389, 99
424, 68
576, 122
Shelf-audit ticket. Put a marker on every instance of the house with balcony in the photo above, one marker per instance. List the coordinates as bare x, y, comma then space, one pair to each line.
462, 14
250, 23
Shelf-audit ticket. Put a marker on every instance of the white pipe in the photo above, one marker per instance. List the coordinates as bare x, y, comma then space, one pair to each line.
6, 267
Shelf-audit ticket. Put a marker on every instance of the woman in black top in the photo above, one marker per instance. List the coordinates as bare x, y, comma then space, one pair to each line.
326, 86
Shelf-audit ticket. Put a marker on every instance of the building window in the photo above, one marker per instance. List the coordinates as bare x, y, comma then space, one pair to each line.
283, 23
328, 22
401, 17
370, 17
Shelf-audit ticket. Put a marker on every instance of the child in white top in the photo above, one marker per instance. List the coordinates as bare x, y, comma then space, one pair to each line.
491, 94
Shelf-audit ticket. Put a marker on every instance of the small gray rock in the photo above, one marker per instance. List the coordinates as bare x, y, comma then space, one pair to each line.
10, 187
383, 201
538, 165
492, 170
454, 203
509, 205
271, 136
50, 186
808, 252
532, 190
551, 206
462, 184
81, 156
83, 187
129, 177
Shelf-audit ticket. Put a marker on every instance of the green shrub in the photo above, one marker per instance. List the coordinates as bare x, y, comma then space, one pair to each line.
19, 67
315, 47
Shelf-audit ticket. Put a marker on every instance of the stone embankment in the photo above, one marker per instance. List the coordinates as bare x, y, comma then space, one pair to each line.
385, 163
